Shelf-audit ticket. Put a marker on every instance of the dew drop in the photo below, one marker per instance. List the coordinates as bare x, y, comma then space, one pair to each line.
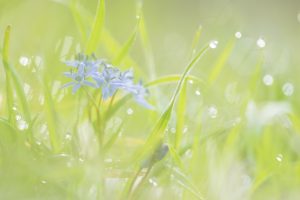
129, 111
279, 157
173, 130
261, 43
153, 182
268, 80
41, 99
213, 44
68, 137
18, 117
43, 182
288, 89
22, 125
25, 61
191, 82
213, 111
238, 35
198, 93
185, 129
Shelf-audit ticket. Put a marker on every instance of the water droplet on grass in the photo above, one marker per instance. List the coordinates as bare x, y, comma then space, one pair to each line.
173, 130
25, 61
213, 44
129, 111
68, 137
279, 157
185, 129
153, 182
288, 89
268, 80
191, 82
213, 111
43, 182
18, 117
22, 124
197, 92
238, 35
261, 43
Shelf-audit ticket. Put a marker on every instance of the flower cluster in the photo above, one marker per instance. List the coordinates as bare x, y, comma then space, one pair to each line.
92, 72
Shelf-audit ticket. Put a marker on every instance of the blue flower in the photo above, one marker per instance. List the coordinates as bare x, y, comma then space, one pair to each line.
79, 81
89, 71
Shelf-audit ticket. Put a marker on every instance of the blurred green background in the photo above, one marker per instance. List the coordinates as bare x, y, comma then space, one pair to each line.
241, 122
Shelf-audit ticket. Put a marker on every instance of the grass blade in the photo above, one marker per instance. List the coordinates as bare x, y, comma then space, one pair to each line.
180, 116
97, 28
171, 79
157, 133
221, 61
125, 49
15, 78
50, 116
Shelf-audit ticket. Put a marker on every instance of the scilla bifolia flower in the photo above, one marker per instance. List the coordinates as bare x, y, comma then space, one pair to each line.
92, 72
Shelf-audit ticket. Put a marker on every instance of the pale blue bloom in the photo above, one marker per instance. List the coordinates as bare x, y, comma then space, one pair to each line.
79, 80
89, 71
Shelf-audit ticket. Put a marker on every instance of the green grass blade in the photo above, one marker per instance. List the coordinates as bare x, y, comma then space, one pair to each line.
157, 133
196, 40
221, 61
180, 115
143, 33
125, 49
50, 117
173, 79
97, 28
9, 89
15, 78
78, 19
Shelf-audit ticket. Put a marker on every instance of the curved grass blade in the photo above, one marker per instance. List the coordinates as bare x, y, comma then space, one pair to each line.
157, 133
196, 40
15, 78
9, 89
173, 79
221, 61
125, 49
50, 116
97, 28
180, 116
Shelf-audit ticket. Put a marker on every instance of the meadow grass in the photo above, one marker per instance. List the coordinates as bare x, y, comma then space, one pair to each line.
222, 128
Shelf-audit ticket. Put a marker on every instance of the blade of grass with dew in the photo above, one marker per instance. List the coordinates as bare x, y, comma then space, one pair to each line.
50, 117
159, 129
127, 46
172, 79
9, 89
180, 115
196, 40
97, 28
15, 78
221, 61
